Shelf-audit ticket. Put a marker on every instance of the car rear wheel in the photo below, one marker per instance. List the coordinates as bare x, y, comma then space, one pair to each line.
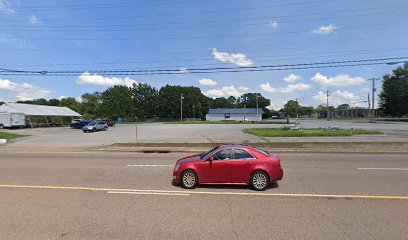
189, 179
105, 128
1, 126
259, 181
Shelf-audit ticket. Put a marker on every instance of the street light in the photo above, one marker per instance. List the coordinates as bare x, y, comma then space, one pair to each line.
181, 107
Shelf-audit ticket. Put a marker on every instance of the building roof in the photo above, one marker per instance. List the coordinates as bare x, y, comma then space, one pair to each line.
38, 110
235, 110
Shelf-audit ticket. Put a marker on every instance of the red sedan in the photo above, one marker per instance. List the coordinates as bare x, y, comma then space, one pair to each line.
229, 164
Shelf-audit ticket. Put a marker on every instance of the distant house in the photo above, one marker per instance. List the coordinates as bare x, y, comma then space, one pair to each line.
234, 114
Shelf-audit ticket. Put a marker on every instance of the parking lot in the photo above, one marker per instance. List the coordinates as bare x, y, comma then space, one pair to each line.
194, 133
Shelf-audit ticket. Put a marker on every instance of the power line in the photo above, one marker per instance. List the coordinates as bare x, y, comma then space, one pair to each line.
193, 37
148, 26
332, 64
209, 21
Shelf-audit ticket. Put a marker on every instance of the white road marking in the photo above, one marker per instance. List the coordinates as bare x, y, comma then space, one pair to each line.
149, 165
389, 169
150, 193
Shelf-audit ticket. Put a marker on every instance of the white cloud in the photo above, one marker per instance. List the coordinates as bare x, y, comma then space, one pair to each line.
266, 87
94, 79
292, 78
274, 24
242, 88
5, 6
236, 58
33, 20
295, 87
325, 29
207, 82
214, 93
226, 91
365, 90
336, 98
341, 80
183, 70
24, 91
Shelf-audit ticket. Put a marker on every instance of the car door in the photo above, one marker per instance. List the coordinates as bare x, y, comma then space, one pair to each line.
217, 170
241, 165
99, 125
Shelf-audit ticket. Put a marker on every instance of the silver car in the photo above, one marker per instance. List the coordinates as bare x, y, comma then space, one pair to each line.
95, 126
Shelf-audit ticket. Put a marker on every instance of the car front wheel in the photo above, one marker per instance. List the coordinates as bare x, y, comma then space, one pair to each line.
259, 181
189, 179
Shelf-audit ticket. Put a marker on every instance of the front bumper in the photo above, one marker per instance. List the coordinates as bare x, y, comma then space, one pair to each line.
176, 178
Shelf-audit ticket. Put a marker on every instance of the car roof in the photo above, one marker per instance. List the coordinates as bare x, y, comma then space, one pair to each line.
235, 145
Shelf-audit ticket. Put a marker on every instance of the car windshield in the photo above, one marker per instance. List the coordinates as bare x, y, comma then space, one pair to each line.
205, 154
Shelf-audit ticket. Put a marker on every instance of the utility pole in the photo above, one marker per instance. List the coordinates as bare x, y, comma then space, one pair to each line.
245, 99
193, 110
327, 105
369, 106
372, 117
181, 107
257, 112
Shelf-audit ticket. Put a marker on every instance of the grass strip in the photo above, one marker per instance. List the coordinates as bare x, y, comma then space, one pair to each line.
311, 132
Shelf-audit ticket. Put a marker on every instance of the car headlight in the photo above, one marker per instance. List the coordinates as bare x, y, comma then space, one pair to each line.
176, 168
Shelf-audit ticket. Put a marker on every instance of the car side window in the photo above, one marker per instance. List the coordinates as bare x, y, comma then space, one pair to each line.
241, 154
224, 154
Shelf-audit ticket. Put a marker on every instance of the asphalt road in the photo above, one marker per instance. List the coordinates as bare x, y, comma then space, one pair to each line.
130, 196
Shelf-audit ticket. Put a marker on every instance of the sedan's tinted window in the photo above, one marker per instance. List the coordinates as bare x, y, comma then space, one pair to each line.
223, 155
100, 123
241, 154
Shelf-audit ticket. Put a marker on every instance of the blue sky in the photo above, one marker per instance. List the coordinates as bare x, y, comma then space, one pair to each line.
179, 34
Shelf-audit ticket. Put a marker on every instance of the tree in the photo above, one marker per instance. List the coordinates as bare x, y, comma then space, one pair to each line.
221, 102
90, 105
71, 103
145, 101
394, 95
54, 102
343, 107
251, 102
116, 102
194, 102
291, 109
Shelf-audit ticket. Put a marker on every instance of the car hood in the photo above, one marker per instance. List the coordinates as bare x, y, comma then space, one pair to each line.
192, 158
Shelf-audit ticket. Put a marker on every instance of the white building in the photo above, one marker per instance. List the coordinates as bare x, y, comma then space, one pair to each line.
234, 114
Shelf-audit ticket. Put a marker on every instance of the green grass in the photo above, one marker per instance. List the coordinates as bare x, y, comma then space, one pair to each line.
223, 122
4, 135
311, 132
135, 123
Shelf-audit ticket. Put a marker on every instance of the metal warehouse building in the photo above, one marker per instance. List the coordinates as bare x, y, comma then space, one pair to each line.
18, 114
234, 114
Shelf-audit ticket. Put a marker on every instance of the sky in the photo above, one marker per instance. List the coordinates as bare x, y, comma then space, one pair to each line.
89, 36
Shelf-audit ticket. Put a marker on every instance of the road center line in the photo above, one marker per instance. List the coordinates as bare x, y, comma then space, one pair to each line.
388, 169
149, 165
150, 193
192, 192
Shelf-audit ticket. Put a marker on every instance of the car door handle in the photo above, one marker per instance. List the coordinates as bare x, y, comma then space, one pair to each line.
248, 164
226, 165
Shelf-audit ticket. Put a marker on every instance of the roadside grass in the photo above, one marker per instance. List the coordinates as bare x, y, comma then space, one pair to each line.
311, 132
4, 135
222, 122
135, 123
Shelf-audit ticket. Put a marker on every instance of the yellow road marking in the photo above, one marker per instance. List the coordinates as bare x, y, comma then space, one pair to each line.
151, 193
192, 192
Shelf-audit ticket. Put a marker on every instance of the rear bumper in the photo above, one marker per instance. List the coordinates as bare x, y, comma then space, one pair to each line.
277, 175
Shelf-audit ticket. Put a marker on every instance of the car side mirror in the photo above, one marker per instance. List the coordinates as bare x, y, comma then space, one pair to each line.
210, 159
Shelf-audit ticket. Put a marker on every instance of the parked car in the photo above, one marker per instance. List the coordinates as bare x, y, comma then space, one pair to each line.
229, 164
79, 124
110, 122
95, 126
